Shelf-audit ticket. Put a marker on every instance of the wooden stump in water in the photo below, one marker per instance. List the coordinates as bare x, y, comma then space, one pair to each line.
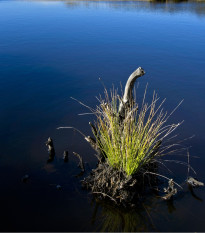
51, 149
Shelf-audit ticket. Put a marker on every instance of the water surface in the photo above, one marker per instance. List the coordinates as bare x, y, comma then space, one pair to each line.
51, 50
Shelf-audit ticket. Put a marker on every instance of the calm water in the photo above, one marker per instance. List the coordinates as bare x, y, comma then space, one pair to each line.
50, 51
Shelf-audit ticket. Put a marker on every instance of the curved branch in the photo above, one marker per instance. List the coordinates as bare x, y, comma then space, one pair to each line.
128, 96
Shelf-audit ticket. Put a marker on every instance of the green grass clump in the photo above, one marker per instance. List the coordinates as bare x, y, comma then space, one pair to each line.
131, 143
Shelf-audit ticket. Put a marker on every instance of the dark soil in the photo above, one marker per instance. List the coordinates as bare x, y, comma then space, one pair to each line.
106, 182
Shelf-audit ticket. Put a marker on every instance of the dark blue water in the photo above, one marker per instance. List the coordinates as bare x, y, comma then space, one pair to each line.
52, 50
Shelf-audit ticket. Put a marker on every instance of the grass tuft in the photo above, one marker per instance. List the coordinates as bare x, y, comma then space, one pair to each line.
131, 143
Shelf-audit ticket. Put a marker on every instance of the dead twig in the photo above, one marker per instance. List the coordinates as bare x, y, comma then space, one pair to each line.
170, 190
194, 182
81, 164
104, 194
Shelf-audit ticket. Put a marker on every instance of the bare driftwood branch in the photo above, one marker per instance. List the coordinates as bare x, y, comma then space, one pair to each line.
128, 96
170, 190
81, 164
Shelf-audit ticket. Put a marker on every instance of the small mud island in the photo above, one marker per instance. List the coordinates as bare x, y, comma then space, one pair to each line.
130, 140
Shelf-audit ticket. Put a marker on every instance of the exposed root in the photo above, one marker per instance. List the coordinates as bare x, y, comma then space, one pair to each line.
108, 182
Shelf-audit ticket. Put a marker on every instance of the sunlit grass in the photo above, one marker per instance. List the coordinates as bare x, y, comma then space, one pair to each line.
133, 142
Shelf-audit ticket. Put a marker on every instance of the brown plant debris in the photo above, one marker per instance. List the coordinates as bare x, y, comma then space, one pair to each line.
111, 183
194, 182
170, 190
81, 164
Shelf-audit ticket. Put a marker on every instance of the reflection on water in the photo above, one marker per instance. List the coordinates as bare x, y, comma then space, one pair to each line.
174, 6
107, 217
115, 219
170, 206
194, 194
145, 216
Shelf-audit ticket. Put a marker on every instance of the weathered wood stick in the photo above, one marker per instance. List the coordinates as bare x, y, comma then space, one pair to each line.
51, 149
170, 190
128, 96
193, 182
81, 164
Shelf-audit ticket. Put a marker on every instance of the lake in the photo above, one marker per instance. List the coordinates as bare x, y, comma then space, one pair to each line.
53, 50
